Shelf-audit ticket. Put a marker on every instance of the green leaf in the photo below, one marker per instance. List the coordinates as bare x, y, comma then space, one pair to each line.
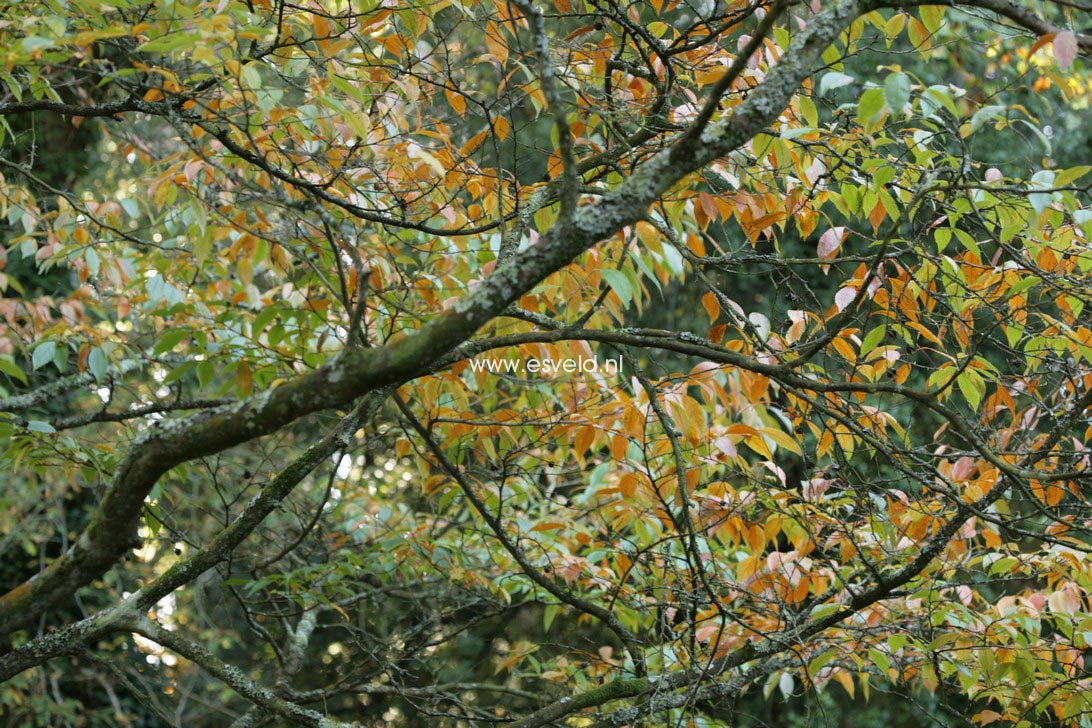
819, 661
252, 75
169, 340
92, 259
833, 80
936, 98
873, 339
43, 354
166, 44
870, 107
807, 110
986, 113
205, 373
881, 660
153, 518
9, 367
972, 387
40, 426
1066, 177
96, 363
178, 372
798, 132
60, 358
548, 616
1043, 179
932, 17
619, 283
1024, 284
825, 610
36, 43
896, 91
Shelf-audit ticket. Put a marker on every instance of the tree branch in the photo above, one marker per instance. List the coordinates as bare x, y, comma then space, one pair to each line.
232, 676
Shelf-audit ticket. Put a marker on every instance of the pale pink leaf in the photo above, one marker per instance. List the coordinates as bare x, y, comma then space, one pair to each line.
844, 297
799, 321
1065, 601
814, 489
964, 468
1065, 48
830, 243
726, 446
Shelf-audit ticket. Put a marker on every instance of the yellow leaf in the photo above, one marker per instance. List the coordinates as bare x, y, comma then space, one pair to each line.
782, 439
244, 379
495, 43
501, 125
456, 100
845, 680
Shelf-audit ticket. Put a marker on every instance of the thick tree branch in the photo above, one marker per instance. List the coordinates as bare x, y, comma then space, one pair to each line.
1018, 14
232, 676
554, 103
200, 561
113, 108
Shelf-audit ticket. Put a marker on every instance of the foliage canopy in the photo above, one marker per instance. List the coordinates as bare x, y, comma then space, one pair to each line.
287, 293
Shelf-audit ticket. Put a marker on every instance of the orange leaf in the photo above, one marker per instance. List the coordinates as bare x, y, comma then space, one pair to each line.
627, 485
879, 212
580, 31
1043, 40
918, 34
585, 436
473, 142
694, 242
712, 306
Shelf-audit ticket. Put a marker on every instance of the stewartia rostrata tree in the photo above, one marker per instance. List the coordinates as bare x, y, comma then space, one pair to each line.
250, 248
